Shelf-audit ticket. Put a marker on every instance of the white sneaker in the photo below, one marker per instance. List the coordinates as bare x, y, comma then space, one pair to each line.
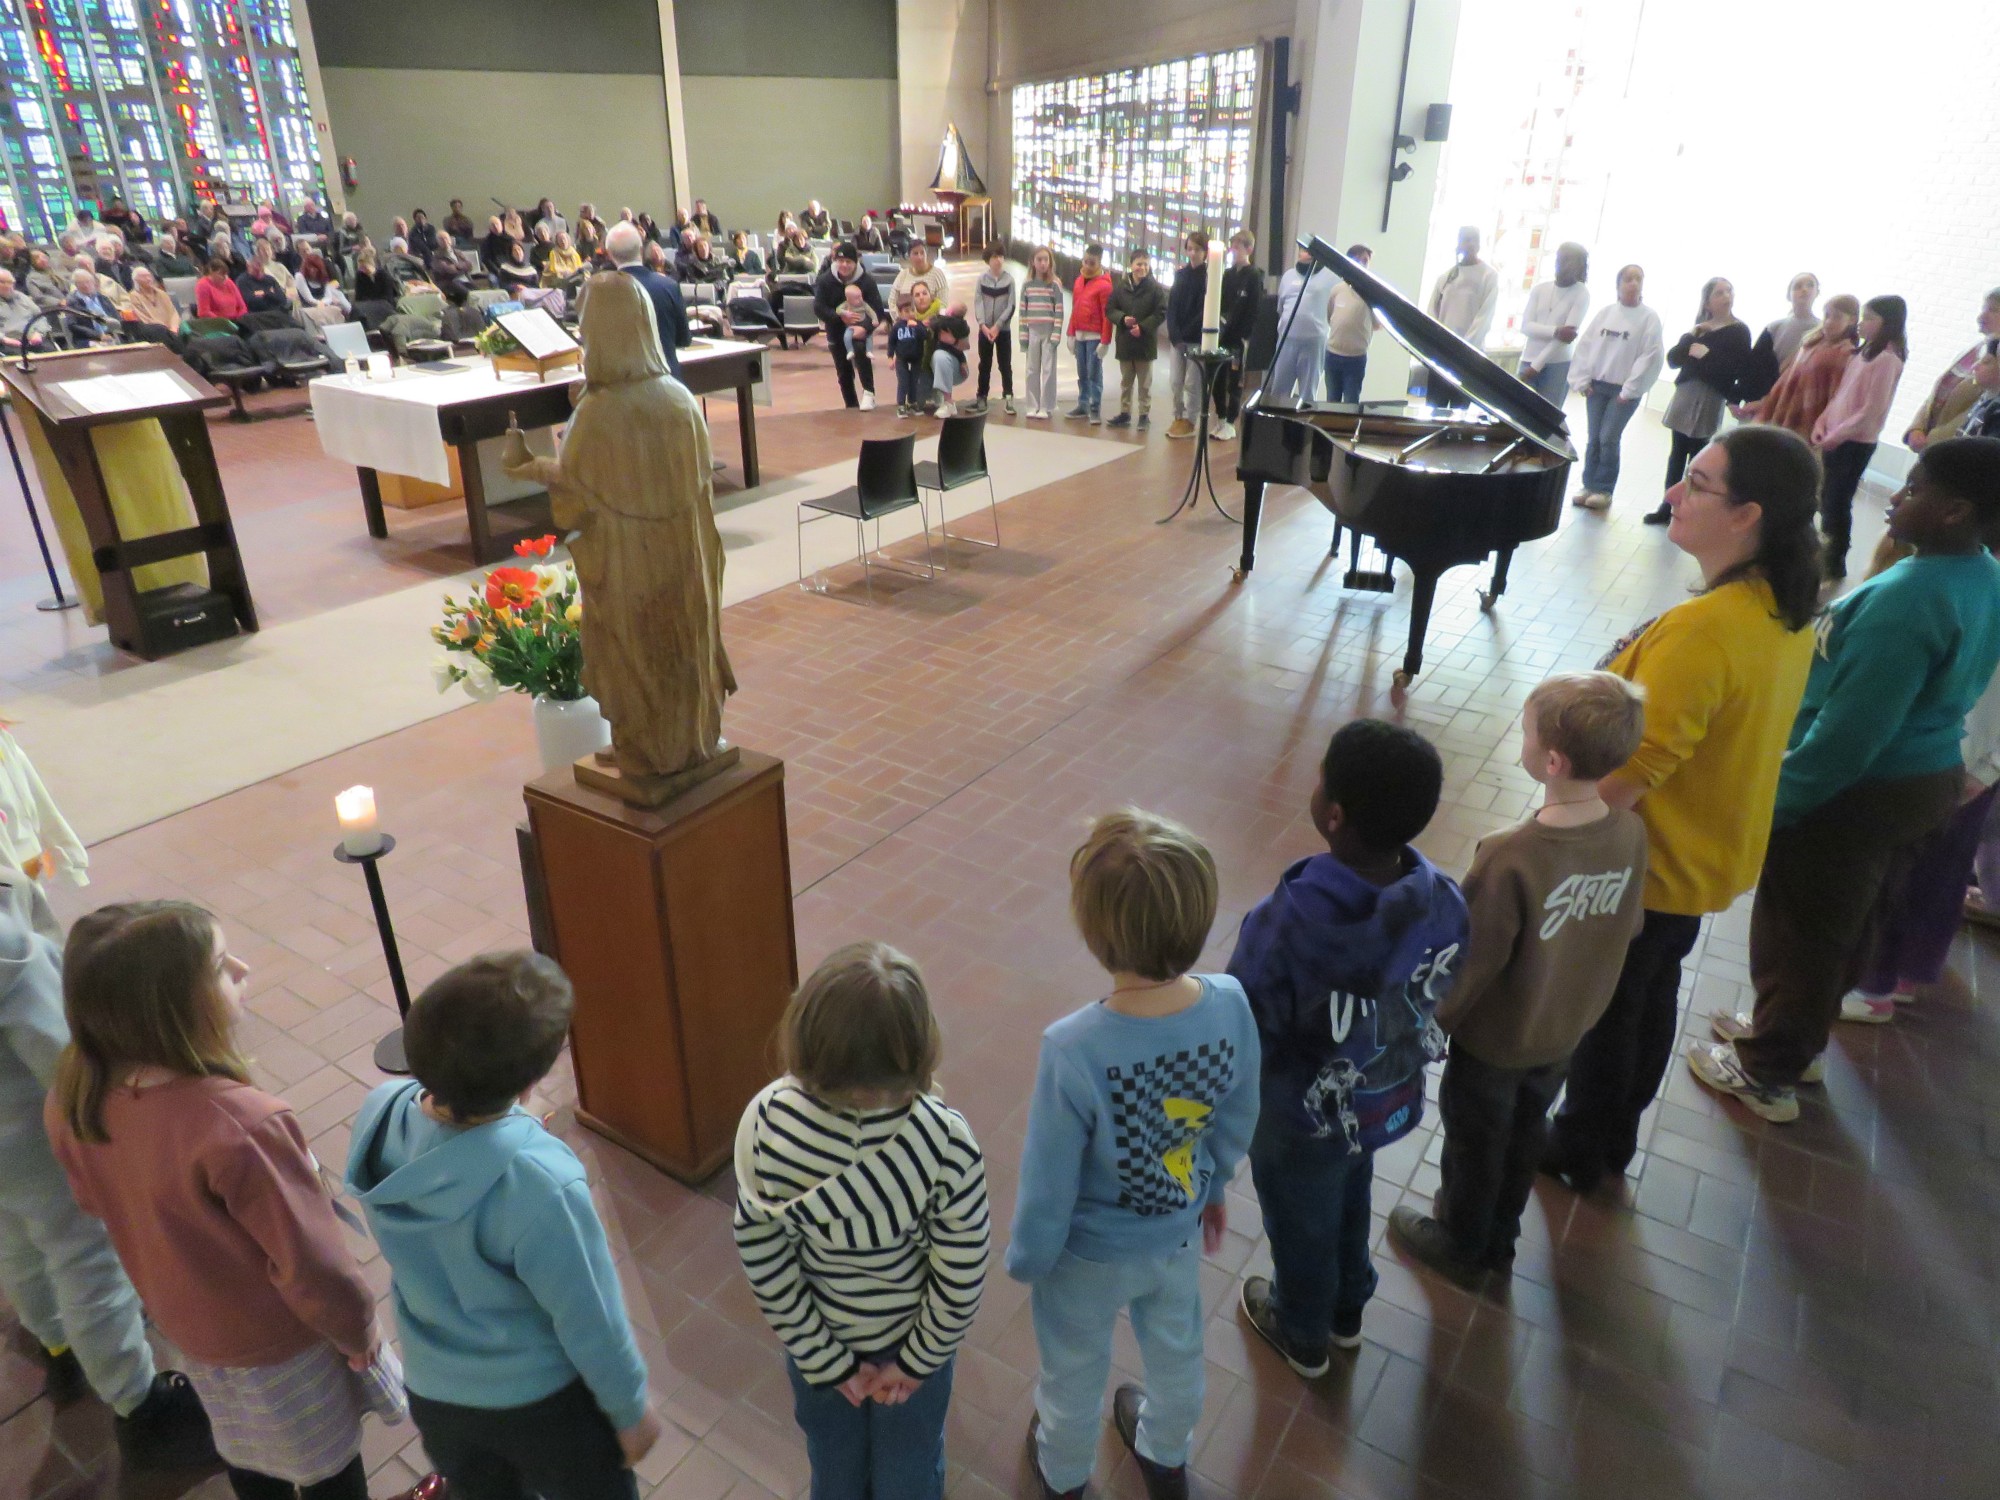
868, 401
945, 409
1223, 432
1715, 1064
1872, 1010
1038, 415
1727, 1026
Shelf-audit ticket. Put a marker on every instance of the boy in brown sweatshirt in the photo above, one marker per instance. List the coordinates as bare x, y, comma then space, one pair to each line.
1554, 903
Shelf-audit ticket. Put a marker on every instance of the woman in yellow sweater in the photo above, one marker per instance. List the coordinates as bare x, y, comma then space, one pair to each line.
1723, 675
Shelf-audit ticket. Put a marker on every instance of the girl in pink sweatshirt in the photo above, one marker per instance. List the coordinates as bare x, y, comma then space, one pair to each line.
1847, 431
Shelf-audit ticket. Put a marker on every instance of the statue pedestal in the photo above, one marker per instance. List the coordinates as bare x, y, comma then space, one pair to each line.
675, 925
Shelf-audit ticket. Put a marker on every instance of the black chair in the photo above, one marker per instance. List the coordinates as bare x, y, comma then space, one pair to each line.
885, 481
961, 460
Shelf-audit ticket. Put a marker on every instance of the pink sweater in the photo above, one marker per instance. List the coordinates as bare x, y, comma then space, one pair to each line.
1861, 405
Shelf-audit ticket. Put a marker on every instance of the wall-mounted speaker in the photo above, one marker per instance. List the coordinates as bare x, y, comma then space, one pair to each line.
1437, 123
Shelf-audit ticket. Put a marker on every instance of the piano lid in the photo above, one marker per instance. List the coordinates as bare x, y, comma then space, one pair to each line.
1489, 387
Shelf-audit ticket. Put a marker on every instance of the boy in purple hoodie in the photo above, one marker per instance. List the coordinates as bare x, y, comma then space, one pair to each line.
1344, 964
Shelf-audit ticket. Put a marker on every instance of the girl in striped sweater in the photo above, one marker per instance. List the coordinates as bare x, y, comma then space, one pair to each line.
862, 1222
1041, 317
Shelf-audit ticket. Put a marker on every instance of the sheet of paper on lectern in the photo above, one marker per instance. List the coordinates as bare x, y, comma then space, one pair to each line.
536, 332
100, 394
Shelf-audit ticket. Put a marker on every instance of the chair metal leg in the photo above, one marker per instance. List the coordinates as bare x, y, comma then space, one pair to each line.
861, 542
992, 504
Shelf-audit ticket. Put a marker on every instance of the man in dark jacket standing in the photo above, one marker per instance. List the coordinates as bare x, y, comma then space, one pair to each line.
626, 245
843, 270
1184, 308
1137, 308
1242, 294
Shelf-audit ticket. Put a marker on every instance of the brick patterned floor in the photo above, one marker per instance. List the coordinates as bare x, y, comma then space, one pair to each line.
1758, 1311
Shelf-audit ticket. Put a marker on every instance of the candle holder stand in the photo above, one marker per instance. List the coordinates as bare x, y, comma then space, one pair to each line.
58, 600
389, 1054
1211, 363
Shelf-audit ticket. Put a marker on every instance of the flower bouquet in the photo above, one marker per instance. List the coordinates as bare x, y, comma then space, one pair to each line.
493, 341
518, 632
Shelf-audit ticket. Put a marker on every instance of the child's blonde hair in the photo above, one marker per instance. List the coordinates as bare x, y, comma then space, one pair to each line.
1037, 254
1596, 719
861, 1024
140, 990
1143, 892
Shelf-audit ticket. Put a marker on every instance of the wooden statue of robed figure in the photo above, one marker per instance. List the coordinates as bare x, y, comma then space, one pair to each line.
633, 481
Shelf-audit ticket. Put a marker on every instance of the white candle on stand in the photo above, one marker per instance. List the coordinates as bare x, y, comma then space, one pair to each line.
355, 808
1211, 307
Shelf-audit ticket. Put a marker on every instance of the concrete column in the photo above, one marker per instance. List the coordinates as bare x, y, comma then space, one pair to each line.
941, 71
1351, 56
670, 76
329, 159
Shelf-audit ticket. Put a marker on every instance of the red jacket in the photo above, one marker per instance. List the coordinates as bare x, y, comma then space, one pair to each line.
1088, 300
212, 301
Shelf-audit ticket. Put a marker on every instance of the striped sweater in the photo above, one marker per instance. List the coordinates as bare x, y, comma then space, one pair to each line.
862, 1233
1041, 307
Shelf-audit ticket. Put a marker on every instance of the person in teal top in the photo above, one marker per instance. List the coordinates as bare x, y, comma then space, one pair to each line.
1872, 769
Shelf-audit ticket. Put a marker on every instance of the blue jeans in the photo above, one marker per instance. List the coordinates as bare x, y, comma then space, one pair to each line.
1550, 382
1315, 1200
1605, 417
1075, 1308
871, 1451
1344, 373
1295, 371
1089, 374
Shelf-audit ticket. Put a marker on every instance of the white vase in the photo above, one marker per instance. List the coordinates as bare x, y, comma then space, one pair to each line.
566, 731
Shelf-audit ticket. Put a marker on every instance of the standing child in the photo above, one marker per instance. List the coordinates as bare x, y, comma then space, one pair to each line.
993, 311
215, 1204
1555, 902
1041, 331
1143, 1104
1185, 305
524, 1378
861, 1218
1242, 295
1137, 310
57, 1267
1344, 964
1851, 424
907, 341
1089, 331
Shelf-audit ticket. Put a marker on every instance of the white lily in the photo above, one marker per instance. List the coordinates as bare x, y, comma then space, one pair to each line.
444, 672
479, 682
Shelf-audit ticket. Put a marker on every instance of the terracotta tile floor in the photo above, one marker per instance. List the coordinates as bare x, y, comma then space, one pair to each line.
1768, 1311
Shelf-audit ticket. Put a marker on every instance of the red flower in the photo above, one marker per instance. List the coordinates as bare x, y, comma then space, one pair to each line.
540, 546
511, 588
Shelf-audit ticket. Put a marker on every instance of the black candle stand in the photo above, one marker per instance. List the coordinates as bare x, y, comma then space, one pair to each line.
1211, 363
59, 600
389, 1054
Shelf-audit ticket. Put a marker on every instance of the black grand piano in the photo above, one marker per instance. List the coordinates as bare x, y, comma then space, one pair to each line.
1435, 488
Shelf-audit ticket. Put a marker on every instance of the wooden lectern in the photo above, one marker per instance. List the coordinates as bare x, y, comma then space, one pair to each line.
68, 395
675, 925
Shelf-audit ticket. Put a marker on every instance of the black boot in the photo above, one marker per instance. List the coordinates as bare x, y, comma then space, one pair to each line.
168, 1430
1162, 1483
1659, 515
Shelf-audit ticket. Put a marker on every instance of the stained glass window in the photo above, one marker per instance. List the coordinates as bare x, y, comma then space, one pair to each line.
1135, 159
157, 102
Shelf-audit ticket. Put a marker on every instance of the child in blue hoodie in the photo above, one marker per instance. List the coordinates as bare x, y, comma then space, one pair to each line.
522, 1372
1344, 963
1143, 1104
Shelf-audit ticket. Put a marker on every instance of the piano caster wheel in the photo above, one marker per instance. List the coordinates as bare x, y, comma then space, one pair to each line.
1487, 601
1400, 683
1237, 575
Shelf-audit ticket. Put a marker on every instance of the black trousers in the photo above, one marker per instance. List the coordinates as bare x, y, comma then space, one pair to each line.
560, 1448
1841, 471
1229, 389
1617, 1067
351, 1483
1679, 456
987, 349
847, 364
1496, 1122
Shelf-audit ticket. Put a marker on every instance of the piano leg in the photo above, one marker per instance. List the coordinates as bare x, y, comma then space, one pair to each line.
1253, 511
1488, 597
1423, 592
1334, 550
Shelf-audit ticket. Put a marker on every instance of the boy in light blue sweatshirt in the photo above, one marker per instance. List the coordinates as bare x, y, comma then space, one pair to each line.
1143, 1107
522, 1373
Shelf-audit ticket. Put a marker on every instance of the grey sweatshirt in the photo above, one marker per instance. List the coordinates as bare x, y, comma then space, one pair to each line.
993, 301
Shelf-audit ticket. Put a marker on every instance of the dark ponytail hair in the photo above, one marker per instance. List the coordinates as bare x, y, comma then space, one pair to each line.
1777, 470
1895, 315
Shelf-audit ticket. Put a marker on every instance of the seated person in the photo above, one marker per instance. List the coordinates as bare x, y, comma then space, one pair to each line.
17, 308
656, 258
402, 264
216, 296
516, 272
262, 291
793, 257
744, 261
112, 262
423, 235
541, 245
457, 225
311, 221
493, 249
283, 252
869, 238
221, 245
321, 301
347, 241
371, 282
41, 282
264, 262
150, 306
816, 221
699, 265
171, 257
563, 261
448, 268
949, 335
460, 324
95, 320
590, 246
705, 221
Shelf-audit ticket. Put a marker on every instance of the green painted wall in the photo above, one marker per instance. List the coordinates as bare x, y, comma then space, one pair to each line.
756, 145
